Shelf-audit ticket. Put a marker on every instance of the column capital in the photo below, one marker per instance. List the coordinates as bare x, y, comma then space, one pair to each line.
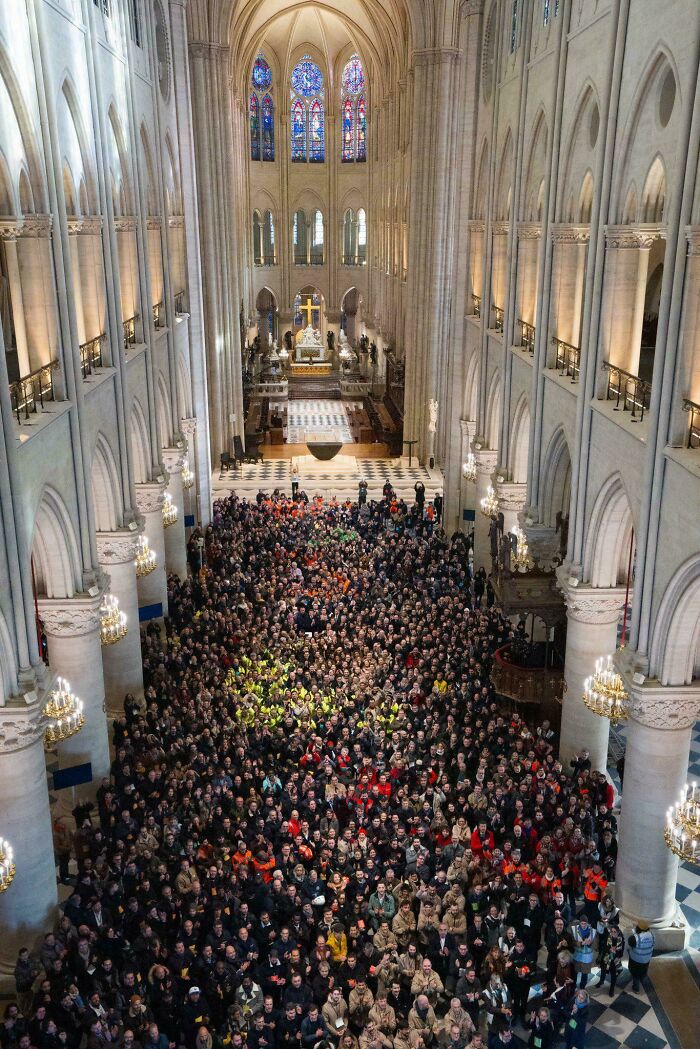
472, 7
641, 236
692, 235
476, 225
529, 230
566, 233
468, 428
71, 616
511, 496
117, 548
590, 604
125, 224
663, 706
486, 461
150, 495
188, 427
174, 458
22, 723
500, 229
426, 56
85, 225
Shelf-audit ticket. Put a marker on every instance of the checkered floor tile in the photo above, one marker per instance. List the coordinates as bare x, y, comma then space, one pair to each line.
318, 418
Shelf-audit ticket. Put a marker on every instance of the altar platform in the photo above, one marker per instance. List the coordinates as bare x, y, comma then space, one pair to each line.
311, 371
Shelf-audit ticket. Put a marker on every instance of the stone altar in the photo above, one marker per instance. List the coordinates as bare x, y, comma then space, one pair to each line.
309, 344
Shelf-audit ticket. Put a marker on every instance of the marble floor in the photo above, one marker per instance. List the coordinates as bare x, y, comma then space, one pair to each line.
318, 420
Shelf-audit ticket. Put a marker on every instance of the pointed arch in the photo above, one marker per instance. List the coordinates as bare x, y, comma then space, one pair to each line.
520, 441
493, 411
122, 196
254, 124
675, 646
55, 548
585, 198
7, 203
69, 95
152, 202
106, 487
537, 156
9, 685
32, 169
608, 535
504, 190
165, 426
556, 479
581, 143
471, 388
140, 444
654, 193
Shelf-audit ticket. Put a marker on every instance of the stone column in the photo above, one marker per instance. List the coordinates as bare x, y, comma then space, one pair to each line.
121, 662
174, 534
72, 627
28, 907
467, 489
190, 495
592, 618
153, 588
499, 267
656, 768
485, 465
626, 266
569, 250
529, 234
512, 499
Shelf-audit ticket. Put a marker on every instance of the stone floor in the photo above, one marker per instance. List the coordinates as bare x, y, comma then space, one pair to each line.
318, 420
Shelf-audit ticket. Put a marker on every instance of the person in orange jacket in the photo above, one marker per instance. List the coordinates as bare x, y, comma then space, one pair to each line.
594, 886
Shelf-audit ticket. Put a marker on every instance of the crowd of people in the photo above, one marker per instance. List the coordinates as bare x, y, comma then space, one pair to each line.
321, 828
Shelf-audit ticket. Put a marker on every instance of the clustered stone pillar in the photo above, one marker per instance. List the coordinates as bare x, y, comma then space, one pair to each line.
592, 618
174, 534
72, 627
153, 588
25, 821
569, 250
656, 767
626, 269
485, 465
123, 669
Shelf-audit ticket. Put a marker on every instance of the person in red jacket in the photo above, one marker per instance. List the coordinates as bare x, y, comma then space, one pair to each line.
482, 840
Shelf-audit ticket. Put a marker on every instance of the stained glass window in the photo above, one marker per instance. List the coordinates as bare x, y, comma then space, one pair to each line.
545, 17
262, 74
268, 128
514, 26
298, 131
254, 128
316, 144
348, 131
361, 129
353, 108
307, 79
353, 76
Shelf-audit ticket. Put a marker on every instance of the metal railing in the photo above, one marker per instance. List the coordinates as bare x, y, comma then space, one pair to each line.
694, 424
180, 303
498, 315
265, 260
631, 393
476, 305
527, 336
568, 359
28, 394
353, 260
91, 354
129, 327
159, 314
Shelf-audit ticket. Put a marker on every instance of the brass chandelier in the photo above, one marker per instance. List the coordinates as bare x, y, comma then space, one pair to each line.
604, 693
469, 468
64, 713
682, 832
7, 866
145, 560
187, 475
522, 561
169, 511
489, 504
113, 626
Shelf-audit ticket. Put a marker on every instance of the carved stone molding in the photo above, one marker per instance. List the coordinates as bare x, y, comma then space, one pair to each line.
639, 237
472, 7
176, 221
29, 226
174, 459
511, 496
476, 225
500, 229
154, 222
673, 707
426, 56
529, 230
565, 233
85, 225
486, 461
125, 224
72, 616
692, 235
149, 496
590, 604
117, 548
468, 428
21, 726
188, 427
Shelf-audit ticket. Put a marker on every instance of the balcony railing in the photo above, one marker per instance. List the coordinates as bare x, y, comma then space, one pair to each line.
631, 393
498, 315
265, 260
353, 260
159, 315
180, 303
91, 355
527, 336
129, 327
568, 359
476, 305
694, 424
29, 393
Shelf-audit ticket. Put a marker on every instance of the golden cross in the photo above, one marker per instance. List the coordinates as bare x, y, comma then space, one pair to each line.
309, 309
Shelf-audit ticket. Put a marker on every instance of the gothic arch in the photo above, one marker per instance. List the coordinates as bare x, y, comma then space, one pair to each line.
493, 411
106, 489
471, 388
504, 189
32, 163
7, 203
172, 179
482, 183
584, 138
55, 549
163, 411
556, 479
8, 664
606, 550
520, 441
152, 202
68, 94
140, 444
534, 183
675, 647
122, 197
654, 193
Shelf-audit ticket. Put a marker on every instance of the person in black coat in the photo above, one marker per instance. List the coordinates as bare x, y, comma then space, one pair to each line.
543, 1033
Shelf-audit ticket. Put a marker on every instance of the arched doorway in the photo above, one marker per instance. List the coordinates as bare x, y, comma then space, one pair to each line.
351, 315
308, 310
266, 309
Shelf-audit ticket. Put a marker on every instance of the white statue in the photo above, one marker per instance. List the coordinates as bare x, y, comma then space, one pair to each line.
433, 408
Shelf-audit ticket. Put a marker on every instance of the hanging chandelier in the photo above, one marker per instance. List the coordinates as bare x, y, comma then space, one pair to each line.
7, 867
489, 504
169, 511
112, 621
682, 832
145, 560
522, 561
64, 713
469, 468
604, 693
187, 475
